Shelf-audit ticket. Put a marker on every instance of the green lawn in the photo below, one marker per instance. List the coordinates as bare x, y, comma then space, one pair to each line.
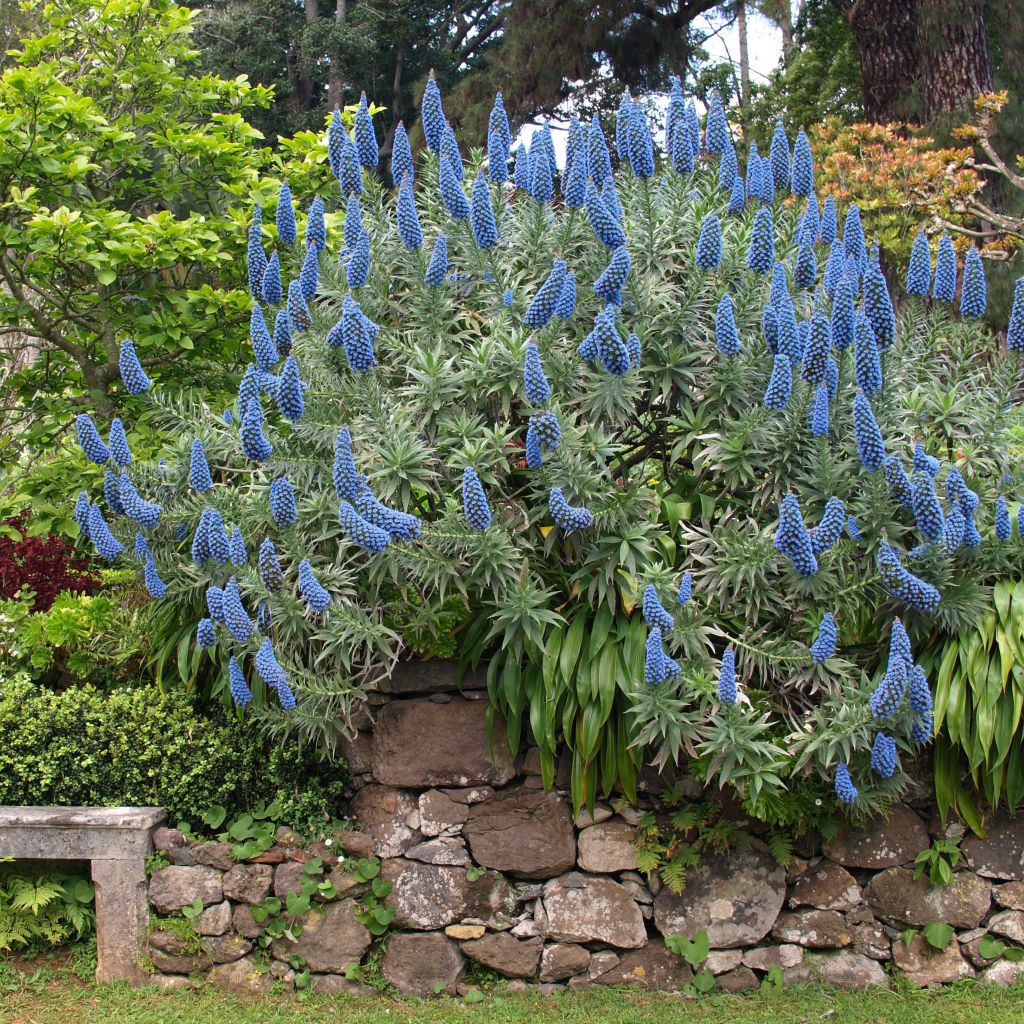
61, 1000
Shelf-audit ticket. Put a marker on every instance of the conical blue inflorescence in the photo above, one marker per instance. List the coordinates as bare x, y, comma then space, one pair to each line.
727, 693
654, 612
312, 591
803, 166
944, 283
824, 645
132, 375
568, 517
761, 255
538, 391
973, 291
726, 336
792, 539
709, 243
474, 501
870, 444
919, 273
541, 309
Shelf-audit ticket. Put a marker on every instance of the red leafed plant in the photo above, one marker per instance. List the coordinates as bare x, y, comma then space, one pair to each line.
45, 565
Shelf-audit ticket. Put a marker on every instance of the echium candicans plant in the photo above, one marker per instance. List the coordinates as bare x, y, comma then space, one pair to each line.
519, 414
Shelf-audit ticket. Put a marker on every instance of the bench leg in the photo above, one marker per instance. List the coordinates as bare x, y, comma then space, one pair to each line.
122, 915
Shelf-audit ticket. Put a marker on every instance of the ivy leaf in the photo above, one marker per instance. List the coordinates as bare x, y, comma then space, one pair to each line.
937, 934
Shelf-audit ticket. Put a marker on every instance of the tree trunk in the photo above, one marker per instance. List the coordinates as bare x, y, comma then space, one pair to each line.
918, 58
741, 28
336, 81
956, 66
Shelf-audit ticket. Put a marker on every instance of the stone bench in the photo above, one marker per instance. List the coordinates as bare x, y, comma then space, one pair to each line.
116, 840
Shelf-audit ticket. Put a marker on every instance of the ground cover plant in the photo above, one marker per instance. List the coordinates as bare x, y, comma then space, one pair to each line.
646, 434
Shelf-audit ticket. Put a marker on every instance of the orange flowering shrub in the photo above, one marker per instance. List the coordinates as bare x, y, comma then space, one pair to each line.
897, 176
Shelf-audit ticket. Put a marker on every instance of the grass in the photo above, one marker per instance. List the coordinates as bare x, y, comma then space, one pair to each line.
51, 991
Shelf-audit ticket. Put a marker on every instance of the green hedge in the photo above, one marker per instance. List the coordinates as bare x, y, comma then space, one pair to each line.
83, 746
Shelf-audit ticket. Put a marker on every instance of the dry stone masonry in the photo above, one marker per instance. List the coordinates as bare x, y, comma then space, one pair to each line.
487, 867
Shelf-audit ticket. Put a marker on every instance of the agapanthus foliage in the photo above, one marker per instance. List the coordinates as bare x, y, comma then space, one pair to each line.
546, 412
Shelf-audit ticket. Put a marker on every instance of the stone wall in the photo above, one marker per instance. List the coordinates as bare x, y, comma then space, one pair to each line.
486, 866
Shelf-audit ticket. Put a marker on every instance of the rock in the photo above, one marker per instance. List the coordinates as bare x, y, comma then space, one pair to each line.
249, 883
589, 908
526, 929
435, 676
607, 847
739, 979
355, 844
764, 958
214, 855
971, 948
427, 897
883, 843
446, 850
440, 814
640, 893
181, 856
470, 795
338, 985
721, 960
843, 969
241, 977
901, 900
465, 932
175, 887
927, 967
286, 836
415, 964
185, 963
215, 920
330, 941
826, 886
1001, 853
223, 949
169, 981
167, 838
586, 818
244, 923
288, 877
1010, 895
526, 833
275, 855
736, 898
869, 939
412, 745
1008, 924
1004, 974
357, 751
381, 813
505, 954
815, 929
651, 967
563, 960
600, 963
172, 943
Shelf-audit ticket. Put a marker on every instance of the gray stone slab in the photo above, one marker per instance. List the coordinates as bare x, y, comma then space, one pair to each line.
116, 840
78, 833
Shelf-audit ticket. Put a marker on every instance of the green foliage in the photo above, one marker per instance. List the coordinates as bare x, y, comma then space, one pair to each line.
939, 860
116, 168
680, 463
673, 843
979, 694
141, 747
43, 908
938, 934
694, 951
819, 78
